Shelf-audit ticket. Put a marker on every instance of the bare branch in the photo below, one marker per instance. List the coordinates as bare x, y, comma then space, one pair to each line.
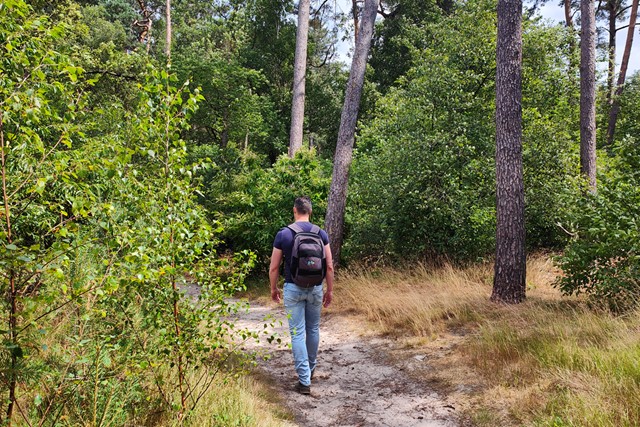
567, 231
621, 11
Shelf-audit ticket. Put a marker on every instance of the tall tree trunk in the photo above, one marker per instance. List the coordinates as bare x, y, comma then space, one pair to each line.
356, 24
334, 222
568, 16
615, 107
612, 8
167, 48
510, 266
144, 25
588, 93
299, 77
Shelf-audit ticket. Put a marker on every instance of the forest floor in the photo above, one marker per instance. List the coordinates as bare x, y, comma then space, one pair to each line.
362, 378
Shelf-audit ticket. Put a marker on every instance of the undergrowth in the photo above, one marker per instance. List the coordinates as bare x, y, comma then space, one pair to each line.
551, 361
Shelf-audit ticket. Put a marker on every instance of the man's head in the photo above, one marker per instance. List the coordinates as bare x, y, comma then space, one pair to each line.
302, 206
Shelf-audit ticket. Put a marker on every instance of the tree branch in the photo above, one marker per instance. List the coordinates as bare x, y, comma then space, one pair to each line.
319, 9
623, 10
385, 14
112, 74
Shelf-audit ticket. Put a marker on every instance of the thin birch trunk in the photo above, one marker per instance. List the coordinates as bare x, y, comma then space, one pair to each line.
167, 48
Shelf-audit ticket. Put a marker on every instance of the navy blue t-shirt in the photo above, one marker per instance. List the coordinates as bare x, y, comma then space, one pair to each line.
284, 242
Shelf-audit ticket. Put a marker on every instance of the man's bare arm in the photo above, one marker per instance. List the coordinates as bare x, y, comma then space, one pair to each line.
328, 295
274, 274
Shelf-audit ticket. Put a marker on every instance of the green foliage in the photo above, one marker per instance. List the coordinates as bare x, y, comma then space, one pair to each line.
45, 195
550, 132
602, 260
398, 37
113, 294
232, 110
323, 106
424, 174
629, 118
423, 178
255, 203
101, 30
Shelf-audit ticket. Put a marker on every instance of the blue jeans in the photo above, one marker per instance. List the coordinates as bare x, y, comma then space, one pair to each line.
303, 307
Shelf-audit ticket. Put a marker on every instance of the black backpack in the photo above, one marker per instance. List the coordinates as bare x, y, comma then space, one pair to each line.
308, 259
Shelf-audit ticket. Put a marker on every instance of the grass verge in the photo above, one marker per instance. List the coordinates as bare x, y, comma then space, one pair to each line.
240, 401
551, 361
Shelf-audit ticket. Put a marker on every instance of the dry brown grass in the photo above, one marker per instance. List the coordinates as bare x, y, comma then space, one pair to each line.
427, 300
549, 361
421, 302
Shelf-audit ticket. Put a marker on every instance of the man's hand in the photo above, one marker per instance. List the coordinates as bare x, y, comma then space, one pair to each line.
327, 298
275, 295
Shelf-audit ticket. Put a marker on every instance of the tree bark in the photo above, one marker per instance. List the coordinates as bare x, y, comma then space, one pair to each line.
144, 25
167, 48
334, 222
510, 264
356, 24
613, 9
568, 16
588, 93
299, 78
615, 107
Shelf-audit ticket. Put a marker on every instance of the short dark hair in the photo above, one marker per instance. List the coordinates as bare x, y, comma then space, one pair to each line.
303, 205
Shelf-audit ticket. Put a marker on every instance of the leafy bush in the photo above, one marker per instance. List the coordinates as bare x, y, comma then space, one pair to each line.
424, 174
629, 118
603, 258
101, 238
252, 203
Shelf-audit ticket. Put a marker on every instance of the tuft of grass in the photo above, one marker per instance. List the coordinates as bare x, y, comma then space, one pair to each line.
421, 301
240, 401
550, 361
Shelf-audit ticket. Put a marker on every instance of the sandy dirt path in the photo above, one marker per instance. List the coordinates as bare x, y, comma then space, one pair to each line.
356, 382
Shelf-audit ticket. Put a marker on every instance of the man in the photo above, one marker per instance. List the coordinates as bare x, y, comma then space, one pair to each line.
303, 304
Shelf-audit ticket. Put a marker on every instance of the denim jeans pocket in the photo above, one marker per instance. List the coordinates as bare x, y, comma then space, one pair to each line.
292, 295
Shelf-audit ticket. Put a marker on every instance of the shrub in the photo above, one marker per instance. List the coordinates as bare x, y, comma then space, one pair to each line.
603, 258
256, 202
424, 173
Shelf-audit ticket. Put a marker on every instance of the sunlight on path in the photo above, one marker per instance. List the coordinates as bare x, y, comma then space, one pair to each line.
353, 384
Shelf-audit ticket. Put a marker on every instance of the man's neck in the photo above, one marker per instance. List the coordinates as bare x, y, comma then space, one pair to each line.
302, 218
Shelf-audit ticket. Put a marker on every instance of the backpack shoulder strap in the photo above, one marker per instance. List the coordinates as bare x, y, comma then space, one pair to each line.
295, 228
315, 229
